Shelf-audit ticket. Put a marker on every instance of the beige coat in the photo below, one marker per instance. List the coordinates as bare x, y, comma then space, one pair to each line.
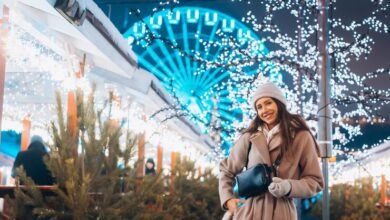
302, 170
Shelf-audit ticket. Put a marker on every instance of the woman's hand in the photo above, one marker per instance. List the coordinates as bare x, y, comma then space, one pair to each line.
232, 204
279, 187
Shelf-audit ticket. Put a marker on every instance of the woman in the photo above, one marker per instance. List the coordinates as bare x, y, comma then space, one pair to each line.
274, 131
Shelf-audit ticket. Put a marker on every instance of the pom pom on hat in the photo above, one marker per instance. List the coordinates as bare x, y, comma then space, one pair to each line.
268, 89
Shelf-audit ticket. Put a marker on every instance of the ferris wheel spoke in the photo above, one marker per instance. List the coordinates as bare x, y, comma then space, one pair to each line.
186, 48
212, 35
197, 42
211, 38
217, 80
177, 75
175, 53
227, 115
205, 74
161, 76
152, 52
160, 65
168, 57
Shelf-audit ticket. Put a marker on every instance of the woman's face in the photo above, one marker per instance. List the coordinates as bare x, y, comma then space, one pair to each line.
267, 111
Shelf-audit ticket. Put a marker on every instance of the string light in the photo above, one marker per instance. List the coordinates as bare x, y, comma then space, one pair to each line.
354, 101
38, 71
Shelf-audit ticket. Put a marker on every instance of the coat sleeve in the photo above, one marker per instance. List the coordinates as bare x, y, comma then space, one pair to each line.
311, 180
231, 166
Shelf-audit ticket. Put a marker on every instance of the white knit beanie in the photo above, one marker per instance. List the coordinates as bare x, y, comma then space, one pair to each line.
268, 89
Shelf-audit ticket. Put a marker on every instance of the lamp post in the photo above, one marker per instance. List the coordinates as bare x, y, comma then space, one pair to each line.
324, 108
301, 72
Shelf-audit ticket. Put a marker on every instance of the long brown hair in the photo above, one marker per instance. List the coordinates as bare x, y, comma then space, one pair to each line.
289, 123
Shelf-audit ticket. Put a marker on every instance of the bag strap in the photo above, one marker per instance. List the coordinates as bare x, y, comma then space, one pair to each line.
247, 155
275, 165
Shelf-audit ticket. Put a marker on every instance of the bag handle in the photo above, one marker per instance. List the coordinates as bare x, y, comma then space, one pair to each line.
275, 165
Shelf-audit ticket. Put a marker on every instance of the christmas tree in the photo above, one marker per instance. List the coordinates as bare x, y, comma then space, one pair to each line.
94, 178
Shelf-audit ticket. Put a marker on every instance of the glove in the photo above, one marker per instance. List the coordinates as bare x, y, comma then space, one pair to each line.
279, 187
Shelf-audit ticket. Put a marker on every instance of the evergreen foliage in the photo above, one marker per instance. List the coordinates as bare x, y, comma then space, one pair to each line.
353, 202
196, 195
95, 179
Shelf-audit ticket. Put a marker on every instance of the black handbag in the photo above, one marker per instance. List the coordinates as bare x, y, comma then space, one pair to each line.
255, 180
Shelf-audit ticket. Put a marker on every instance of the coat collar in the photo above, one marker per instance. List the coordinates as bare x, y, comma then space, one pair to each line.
259, 142
275, 142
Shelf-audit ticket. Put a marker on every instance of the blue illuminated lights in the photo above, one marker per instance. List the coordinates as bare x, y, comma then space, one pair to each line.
138, 30
174, 18
192, 15
210, 19
228, 25
155, 22
196, 32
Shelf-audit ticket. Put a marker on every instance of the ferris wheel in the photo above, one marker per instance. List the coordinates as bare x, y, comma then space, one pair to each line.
177, 46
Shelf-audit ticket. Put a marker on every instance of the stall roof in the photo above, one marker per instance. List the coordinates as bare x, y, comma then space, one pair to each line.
97, 37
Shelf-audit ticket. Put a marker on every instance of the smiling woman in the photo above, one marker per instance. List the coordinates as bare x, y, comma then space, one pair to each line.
279, 138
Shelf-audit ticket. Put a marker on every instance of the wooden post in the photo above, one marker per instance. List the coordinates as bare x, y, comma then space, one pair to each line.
4, 29
25, 140
383, 192
160, 152
72, 109
173, 174
175, 156
72, 117
141, 154
370, 187
173, 160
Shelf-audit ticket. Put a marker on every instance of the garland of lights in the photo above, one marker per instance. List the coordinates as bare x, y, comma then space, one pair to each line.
38, 66
365, 100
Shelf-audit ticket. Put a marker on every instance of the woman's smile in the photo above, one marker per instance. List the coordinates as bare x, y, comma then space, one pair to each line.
267, 110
